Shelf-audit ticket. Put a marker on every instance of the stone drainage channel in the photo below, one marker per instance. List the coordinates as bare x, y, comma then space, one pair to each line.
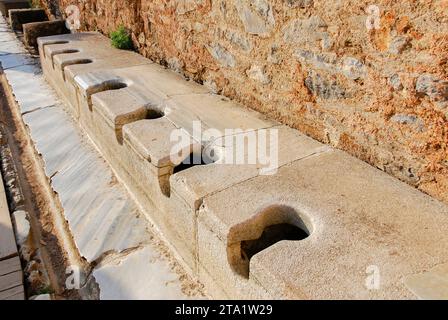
53, 171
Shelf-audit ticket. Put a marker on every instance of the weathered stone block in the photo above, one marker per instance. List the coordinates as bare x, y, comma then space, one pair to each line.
19, 17
399, 44
34, 30
6, 5
328, 196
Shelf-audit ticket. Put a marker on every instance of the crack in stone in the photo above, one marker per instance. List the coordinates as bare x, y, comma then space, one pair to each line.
37, 109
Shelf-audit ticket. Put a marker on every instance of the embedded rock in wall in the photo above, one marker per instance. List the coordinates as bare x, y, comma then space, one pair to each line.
224, 57
306, 32
432, 87
256, 15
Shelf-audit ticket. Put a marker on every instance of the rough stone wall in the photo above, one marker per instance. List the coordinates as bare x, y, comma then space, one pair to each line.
378, 92
51, 8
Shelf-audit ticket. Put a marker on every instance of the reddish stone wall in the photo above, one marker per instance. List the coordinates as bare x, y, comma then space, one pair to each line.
380, 93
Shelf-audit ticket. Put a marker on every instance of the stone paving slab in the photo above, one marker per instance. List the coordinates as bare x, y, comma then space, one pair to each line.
16, 60
11, 46
157, 281
100, 221
7, 36
431, 285
26, 78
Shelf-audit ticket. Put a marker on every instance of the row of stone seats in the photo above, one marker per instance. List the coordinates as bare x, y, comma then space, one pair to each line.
336, 215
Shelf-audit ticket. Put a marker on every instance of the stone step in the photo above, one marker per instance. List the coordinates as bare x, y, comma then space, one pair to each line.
305, 224
34, 30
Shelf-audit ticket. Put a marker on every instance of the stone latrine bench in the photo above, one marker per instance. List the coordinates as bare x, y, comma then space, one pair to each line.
312, 230
20, 17
6, 5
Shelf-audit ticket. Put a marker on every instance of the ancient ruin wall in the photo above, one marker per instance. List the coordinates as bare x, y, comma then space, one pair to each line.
371, 80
